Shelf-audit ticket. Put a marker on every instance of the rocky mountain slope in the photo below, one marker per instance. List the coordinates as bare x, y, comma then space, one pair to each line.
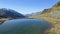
8, 14
52, 15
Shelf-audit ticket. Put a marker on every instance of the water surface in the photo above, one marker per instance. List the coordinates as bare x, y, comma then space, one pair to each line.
24, 26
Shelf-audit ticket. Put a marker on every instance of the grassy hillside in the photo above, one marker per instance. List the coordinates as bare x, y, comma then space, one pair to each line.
52, 15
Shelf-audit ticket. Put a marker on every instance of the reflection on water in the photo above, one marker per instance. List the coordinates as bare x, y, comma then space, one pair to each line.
24, 26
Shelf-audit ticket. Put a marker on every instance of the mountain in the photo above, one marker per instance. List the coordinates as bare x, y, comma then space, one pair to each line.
10, 13
51, 15
7, 14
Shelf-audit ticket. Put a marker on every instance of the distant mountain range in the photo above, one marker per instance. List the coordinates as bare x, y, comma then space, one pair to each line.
8, 14
51, 15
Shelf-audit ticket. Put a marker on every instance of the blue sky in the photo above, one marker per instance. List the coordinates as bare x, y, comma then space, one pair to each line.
27, 6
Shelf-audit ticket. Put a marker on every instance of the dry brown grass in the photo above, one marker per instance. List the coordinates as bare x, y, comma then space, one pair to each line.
2, 20
53, 18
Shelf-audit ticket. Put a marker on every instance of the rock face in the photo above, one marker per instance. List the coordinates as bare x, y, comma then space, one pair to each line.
24, 26
8, 13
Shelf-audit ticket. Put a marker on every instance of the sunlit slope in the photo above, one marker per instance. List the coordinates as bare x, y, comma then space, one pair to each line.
50, 17
53, 17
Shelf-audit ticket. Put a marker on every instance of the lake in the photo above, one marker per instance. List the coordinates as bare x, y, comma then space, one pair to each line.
24, 26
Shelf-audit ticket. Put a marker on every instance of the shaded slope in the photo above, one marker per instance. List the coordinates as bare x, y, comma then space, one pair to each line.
10, 13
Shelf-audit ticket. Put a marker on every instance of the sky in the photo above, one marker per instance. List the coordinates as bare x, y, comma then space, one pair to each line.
27, 6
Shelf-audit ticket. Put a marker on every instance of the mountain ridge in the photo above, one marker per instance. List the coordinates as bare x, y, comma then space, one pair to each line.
51, 15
